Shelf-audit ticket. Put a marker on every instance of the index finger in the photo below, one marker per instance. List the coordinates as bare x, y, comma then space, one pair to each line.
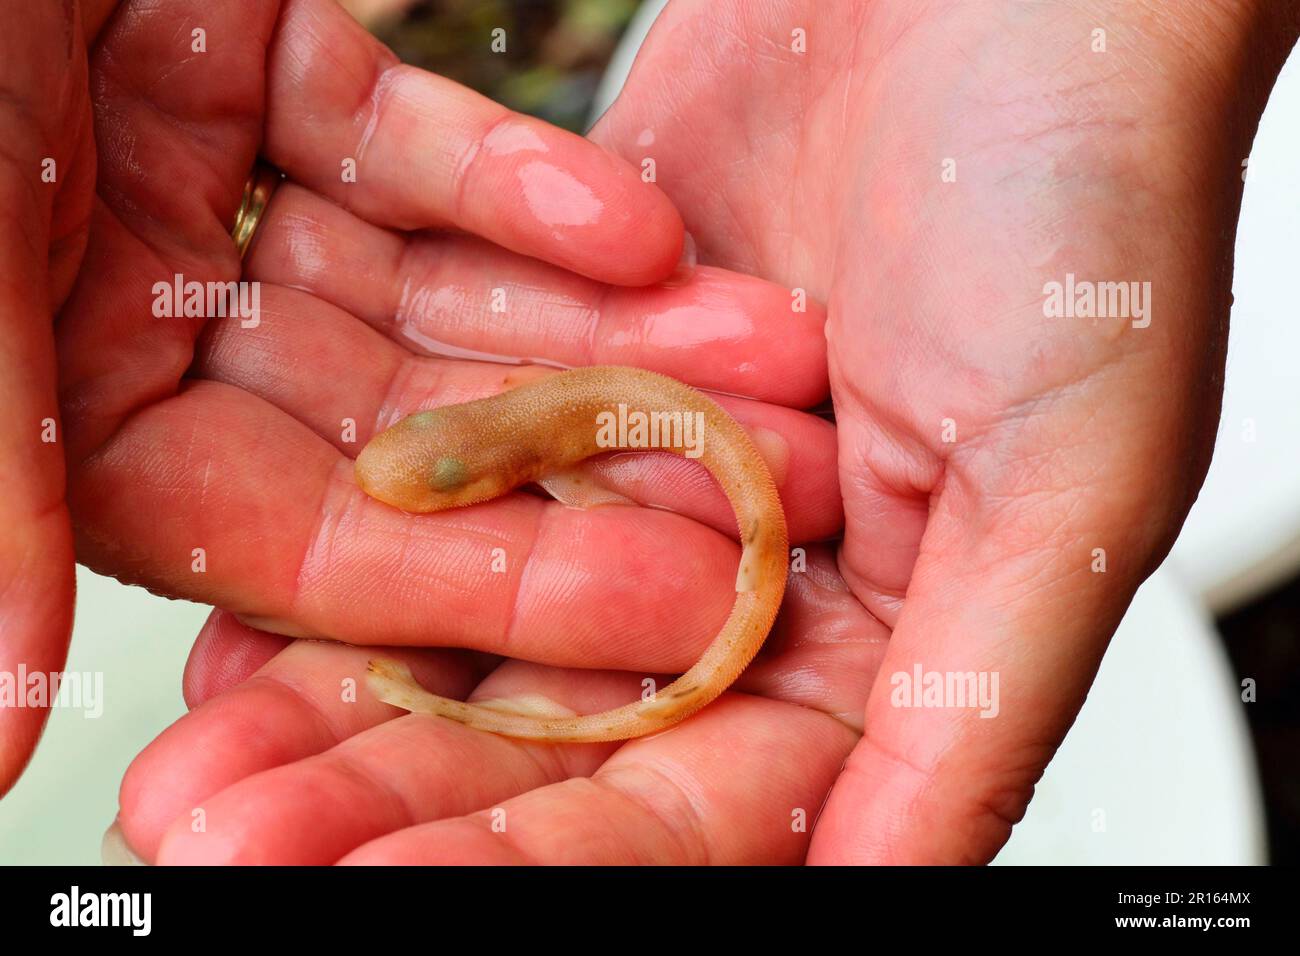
405, 148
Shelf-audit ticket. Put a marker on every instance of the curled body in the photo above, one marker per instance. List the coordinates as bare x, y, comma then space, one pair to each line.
464, 454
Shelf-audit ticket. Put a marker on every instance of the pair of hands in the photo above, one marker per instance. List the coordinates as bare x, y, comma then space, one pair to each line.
981, 452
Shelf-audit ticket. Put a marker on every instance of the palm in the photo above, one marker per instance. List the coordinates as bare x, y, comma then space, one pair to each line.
925, 170
820, 171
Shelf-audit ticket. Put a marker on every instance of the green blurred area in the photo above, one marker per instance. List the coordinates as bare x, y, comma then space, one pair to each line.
555, 51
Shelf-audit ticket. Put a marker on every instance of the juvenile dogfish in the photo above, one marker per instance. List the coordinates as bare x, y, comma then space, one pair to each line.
464, 454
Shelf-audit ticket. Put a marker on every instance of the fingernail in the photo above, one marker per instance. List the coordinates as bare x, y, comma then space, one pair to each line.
273, 625
685, 270
115, 851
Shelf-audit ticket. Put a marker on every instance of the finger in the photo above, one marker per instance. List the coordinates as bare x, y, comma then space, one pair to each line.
226, 653
411, 770
888, 489
252, 512
41, 72
823, 653
303, 702
429, 152
346, 383
400, 773
685, 796
462, 297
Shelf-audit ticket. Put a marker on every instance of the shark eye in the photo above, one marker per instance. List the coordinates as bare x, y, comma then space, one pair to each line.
448, 474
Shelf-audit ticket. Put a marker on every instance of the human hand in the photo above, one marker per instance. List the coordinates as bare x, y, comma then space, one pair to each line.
47, 178
974, 554
1009, 479
734, 317
207, 458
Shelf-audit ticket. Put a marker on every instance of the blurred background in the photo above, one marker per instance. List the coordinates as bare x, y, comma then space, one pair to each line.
1166, 763
556, 53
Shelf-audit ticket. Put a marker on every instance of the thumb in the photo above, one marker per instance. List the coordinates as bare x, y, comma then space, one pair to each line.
1011, 603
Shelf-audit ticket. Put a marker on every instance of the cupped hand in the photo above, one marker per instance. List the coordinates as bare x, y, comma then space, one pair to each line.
1009, 475
47, 179
210, 458
1008, 478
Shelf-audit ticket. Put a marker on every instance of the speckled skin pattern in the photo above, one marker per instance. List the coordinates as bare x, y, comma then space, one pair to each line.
463, 454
